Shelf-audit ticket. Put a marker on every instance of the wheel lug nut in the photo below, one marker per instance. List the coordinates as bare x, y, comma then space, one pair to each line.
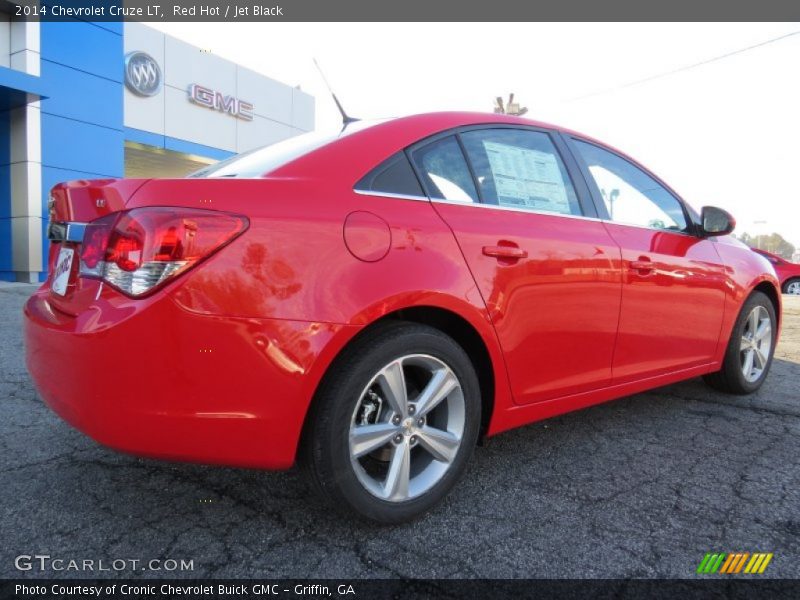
421, 422
396, 420
413, 439
411, 409
398, 438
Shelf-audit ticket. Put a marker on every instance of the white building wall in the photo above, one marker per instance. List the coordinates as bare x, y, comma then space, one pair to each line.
146, 114
26, 155
24, 47
280, 111
5, 40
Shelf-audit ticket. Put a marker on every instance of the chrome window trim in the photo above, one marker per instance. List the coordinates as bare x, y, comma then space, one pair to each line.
391, 195
68, 231
516, 210
624, 224
473, 204
555, 214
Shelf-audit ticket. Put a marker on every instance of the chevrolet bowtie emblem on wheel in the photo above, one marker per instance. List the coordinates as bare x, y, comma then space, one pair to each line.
142, 74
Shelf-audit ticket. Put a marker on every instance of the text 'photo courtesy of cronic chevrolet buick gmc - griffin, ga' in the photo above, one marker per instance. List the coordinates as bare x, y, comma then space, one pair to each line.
372, 304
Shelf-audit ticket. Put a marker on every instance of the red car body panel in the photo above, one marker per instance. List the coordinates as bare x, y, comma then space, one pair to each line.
672, 309
784, 269
221, 365
148, 379
557, 307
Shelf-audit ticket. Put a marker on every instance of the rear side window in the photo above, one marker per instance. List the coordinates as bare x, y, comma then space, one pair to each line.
392, 176
519, 168
444, 171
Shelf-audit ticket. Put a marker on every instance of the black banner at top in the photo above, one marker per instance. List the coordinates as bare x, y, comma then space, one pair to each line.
404, 10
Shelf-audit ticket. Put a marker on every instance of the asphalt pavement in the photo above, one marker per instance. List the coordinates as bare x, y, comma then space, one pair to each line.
639, 487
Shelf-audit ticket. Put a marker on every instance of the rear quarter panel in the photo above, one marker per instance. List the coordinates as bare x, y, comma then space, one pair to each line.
293, 265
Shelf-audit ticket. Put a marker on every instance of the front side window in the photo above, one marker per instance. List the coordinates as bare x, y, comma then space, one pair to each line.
630, 195
518, 168
444, 171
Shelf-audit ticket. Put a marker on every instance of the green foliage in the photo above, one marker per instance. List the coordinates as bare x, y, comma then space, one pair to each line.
773, 242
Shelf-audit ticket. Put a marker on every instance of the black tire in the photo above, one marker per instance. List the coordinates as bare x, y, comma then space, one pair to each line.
789, 282
325, 451
730, 378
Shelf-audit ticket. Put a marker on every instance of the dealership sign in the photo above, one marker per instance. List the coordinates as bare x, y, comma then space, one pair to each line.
142, 74
143, 77
219, 101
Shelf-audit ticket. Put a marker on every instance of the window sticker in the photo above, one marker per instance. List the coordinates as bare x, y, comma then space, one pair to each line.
527, 178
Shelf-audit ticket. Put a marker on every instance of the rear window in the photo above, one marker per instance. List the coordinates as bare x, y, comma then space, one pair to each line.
266, 159
256, 163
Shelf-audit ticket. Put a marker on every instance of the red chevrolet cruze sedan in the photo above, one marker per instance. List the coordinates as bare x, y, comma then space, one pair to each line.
373, 302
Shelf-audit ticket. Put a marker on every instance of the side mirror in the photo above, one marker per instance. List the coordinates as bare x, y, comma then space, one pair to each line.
716, 221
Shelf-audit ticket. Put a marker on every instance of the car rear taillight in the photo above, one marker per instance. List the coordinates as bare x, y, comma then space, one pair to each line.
137, 251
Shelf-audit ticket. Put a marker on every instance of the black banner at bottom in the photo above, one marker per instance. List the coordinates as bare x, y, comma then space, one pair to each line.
391, 589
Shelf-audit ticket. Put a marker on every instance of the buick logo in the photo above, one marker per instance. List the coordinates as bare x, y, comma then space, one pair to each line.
142, 74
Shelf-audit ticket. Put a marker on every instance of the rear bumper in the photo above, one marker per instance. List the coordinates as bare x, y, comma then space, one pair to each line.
153, 379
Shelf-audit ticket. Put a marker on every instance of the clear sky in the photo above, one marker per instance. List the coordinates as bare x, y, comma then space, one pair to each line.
726, 132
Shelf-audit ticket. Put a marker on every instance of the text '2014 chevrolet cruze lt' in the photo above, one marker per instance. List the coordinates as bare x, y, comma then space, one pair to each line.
372, 303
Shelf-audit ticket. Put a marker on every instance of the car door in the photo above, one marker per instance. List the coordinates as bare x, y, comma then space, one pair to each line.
673, 280
548, 271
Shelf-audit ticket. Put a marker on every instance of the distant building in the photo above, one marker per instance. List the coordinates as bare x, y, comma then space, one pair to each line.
88, 100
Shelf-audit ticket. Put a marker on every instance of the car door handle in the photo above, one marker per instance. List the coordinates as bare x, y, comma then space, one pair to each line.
643, 266
507, 252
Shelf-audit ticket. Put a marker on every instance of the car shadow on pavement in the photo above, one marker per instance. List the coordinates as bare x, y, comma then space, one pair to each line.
645, 485
654, 466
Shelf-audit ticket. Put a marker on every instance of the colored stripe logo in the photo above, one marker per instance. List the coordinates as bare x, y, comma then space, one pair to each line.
734, 562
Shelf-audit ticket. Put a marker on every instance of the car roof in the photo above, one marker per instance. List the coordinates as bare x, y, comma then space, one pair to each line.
361, 146
420, 126
427, 124
364, 144
463, 118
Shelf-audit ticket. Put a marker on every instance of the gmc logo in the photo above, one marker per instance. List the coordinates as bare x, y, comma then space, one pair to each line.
218, 101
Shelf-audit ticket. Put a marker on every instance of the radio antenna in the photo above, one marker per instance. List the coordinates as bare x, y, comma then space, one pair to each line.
346, 119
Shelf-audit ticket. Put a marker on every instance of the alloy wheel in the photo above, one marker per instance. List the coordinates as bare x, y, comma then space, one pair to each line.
793, 288
756, 343
407, 427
